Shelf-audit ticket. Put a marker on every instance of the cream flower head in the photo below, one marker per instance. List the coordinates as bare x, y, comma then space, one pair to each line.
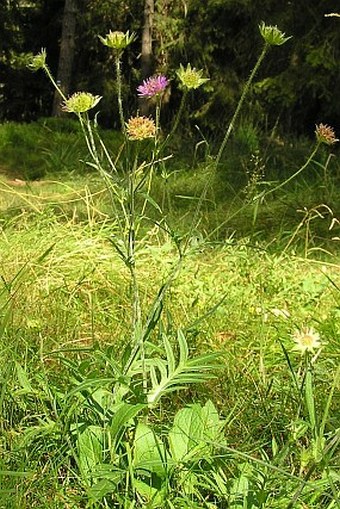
190, 77
272, 35
80, 102
38, 61
306, 340
117, 41
140, 128
325, 134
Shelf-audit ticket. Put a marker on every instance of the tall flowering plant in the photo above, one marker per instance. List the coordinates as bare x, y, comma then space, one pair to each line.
128, 180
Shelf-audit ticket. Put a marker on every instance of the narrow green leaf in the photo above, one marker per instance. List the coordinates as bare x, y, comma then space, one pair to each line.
310, 400
169, 354
121, 419
183, 347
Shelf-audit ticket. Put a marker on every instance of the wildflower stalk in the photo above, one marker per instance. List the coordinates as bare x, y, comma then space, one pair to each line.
240, 103
263, 195
54, 83
292, 177
131, 248
177, 118
119, 92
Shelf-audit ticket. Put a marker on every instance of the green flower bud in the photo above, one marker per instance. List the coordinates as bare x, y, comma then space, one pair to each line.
272, 35
80, 102
117, 40
38, 61
190, 77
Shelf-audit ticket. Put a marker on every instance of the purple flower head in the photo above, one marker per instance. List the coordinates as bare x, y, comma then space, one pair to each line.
152, 86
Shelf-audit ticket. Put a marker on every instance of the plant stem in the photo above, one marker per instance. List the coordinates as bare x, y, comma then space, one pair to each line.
136, 319
240, 103
54, 83
119, 92
177, 119
263, 195
303, 167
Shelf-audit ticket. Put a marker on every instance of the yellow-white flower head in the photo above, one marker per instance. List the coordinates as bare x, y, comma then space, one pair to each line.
38, 61
80, 102
190, 77
272, 35
117, 41
306, 340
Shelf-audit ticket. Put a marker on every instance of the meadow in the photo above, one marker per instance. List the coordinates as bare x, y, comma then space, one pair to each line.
169, 326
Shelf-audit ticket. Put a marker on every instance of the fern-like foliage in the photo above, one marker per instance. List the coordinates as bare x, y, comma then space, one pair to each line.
170, 374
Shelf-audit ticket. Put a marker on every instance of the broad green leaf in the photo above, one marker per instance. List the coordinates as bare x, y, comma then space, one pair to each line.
90, 449
149, 451
195, 432
101, 489
155, 498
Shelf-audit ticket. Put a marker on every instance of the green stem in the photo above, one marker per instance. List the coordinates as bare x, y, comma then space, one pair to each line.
263, 195
240, 103
177, 119
119, 92
54, 83
294, 174
136, 322
223, 144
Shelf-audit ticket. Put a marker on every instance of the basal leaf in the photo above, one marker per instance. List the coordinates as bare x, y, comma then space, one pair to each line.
149, 451
90, 446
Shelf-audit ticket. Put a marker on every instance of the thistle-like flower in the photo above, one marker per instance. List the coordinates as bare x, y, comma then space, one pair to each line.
272, 35
306, 340
190, 77
140, 128
80, 102
153, 86
38, 61
117, 41
325, 134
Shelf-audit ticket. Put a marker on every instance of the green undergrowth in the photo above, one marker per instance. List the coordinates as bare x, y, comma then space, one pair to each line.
86, 423
64, 300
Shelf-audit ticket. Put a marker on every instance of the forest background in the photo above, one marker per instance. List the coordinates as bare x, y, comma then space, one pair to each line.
295, 88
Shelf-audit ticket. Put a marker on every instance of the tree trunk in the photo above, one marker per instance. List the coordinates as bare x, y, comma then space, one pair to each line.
147, 54
66, 54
